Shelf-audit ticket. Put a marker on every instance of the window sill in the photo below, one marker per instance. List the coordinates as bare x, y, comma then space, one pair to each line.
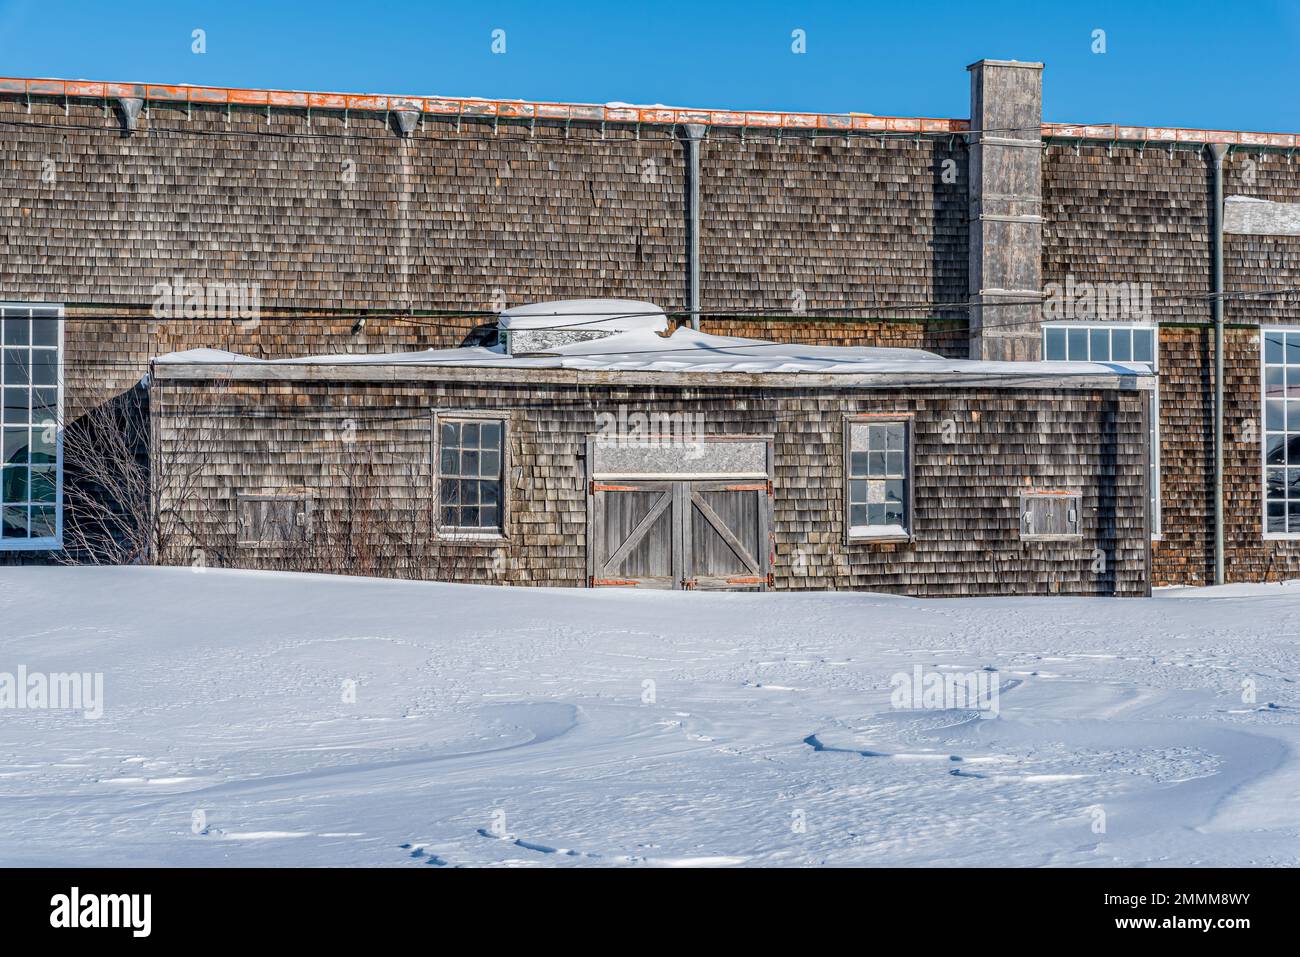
31, 545
860, 535
484, 537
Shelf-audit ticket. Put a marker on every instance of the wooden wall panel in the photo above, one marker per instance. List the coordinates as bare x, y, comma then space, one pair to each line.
261, 436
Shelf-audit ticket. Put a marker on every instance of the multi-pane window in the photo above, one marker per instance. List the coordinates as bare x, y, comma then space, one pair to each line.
1111, 342
1282, 433
469, 474
30, 480
878, 475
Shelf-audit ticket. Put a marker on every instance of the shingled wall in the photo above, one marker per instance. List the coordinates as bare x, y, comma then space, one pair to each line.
1124, 214
263, 436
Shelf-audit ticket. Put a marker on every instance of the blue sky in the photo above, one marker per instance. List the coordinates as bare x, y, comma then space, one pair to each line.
1198, 64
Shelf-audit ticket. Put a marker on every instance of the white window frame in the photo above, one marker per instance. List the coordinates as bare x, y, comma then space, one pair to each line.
455, 533
1156, 497
1264, 430
866, 534
48, 543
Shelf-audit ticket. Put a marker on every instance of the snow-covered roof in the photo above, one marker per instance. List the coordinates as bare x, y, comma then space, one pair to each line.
618, 315
642, 350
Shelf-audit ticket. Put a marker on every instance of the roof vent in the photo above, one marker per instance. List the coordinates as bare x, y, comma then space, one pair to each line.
543, 327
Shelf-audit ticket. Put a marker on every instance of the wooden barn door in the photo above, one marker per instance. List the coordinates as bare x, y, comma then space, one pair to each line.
725, 537
692, 535
635, 534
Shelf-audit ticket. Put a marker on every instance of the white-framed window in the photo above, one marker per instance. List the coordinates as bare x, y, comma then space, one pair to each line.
1281, 372
31, 426
1114, 342
470, 450
878, 470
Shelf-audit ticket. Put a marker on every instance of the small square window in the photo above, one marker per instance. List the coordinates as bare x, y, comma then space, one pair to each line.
470, 486
877, 467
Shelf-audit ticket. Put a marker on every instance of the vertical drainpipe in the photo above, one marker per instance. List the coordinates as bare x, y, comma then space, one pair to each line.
1217, 153
694, 136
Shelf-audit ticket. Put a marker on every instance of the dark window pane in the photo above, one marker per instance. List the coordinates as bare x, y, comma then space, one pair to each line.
1077, 344
487, 517
876, 514
895, 463
469, 461
13, 483
44, 448
1143, 346
15, 446
468, 492
450, 493
858, 515
15, 410
1274, 415
1294, 522
45, 367
15, 522
490, 435
1293, 348
17, 331
17, 368
893, 513
1276, 483
1099, 343
450, 435
469, 435
1293, 450
1275, 381
1054, 350
448, 516
45, 404
857, 492
469, 516
43, 485
1273, 347
490, 493
1293, 415
894, 436
1275, 453
490, 463
858, 463
43, 522
1121, 345
1293, 484
1276, 516
894, 490
450, 461
45, 332
875, 463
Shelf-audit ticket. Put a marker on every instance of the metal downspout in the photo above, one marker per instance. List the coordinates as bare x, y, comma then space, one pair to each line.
694, 136
1217, 153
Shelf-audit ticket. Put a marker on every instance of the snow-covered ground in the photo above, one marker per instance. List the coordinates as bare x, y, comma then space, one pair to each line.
541, 727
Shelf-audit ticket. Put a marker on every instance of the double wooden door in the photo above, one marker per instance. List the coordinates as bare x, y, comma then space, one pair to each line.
681, 534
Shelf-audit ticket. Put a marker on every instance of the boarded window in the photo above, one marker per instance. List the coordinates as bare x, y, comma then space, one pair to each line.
1049, 516
470, 489
271, 519
878, 477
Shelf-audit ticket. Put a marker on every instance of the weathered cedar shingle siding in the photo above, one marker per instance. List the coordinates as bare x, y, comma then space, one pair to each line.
262, 436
